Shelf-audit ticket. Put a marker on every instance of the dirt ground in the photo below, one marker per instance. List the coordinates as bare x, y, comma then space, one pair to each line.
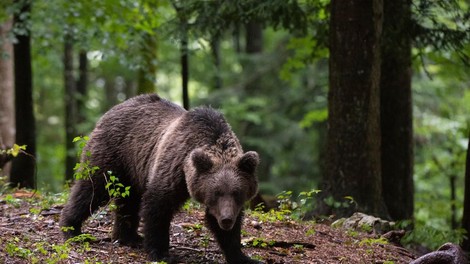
29, 233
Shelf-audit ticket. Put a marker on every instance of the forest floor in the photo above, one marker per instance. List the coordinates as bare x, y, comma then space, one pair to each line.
29, 233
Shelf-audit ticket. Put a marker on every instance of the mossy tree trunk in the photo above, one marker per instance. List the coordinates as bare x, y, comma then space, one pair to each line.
148, 67
353, 165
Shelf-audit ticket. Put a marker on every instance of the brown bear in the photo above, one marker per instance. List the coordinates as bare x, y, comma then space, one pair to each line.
167, 155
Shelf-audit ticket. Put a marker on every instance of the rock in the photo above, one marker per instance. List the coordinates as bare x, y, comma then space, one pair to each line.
363, 222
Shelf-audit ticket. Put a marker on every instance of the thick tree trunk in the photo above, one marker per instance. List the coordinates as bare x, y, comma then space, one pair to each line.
466, 203
70, 108
7, 95
396, 111
353, 146
148, 69
23, 166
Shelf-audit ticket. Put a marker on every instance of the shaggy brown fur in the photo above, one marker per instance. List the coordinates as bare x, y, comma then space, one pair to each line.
166, 154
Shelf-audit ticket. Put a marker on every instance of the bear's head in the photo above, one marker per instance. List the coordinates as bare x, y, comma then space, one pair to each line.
223, 186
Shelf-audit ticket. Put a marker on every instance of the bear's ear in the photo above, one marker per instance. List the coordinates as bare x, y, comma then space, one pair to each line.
201, 161
248, 162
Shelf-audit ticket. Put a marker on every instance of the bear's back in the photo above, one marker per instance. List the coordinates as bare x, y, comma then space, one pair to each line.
126, 135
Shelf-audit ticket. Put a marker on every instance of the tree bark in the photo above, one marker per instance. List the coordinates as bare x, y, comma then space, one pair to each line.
23, 166
111, 92
70, 108
215, 50
7, 96
254, 47
466, 203
148, 69
81, 85
185, 65
396, 111
353, 166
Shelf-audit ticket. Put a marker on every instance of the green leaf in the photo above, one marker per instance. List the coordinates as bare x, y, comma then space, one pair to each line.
314, 116
17, 149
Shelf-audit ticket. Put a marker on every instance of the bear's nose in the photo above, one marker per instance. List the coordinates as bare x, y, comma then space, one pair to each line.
227, 223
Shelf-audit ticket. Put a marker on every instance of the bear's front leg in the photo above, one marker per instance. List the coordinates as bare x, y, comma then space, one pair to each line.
158, 208
156, 220
229, 240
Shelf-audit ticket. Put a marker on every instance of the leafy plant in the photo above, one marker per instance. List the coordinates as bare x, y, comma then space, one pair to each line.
260, 243
9, 199
205, 241
288, 207
13, 151
83, 170
298, 248
348, 201
14, 250
373, 241
115, 188
431, 236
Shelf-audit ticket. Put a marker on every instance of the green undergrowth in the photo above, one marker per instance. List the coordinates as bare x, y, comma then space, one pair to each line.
36, 251
32, 247
290, 208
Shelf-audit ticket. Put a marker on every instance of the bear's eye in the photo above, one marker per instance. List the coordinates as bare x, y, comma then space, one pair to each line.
218, 193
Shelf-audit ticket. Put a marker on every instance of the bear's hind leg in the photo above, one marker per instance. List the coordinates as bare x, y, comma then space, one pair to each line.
229, 240
85, 197
127, 219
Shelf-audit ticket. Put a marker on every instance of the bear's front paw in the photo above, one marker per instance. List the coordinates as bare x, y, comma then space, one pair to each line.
131, 241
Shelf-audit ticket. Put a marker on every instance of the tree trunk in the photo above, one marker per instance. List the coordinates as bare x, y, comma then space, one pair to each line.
396, 111
81, 85
466, 203
215, 50
184, 52
254, 47
353, 146
7, 96
185, 66
236, 38
148, 69
111, 92
23, 166
70, 108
